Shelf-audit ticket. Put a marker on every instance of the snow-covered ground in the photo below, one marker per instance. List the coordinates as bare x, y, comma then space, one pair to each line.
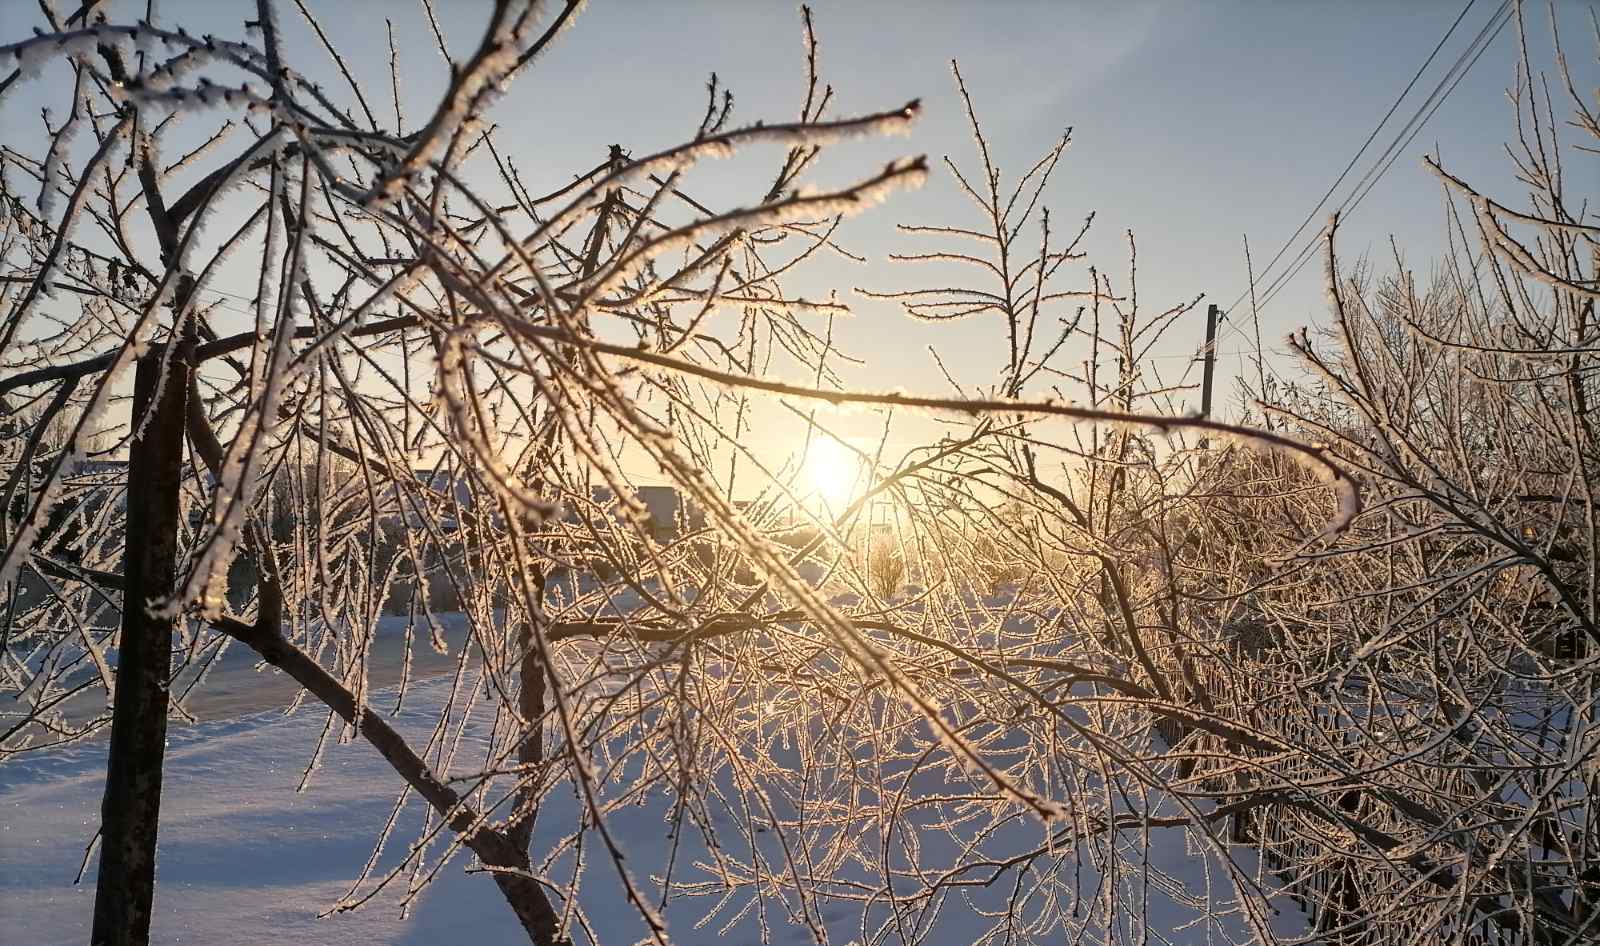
243, 857
246, 859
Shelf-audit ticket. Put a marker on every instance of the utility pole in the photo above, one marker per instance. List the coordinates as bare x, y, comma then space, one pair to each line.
131, 811
1212, 314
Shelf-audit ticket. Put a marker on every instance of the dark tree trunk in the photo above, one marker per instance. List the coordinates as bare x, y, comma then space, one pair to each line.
131, 810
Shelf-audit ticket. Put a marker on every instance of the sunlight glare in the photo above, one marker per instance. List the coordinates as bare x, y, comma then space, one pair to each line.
832, 470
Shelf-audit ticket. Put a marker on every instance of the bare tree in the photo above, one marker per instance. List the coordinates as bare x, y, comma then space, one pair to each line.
417, 303
1445, 645
1420, 687
1391, 720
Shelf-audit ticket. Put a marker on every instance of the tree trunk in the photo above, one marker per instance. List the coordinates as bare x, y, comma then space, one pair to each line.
131, 809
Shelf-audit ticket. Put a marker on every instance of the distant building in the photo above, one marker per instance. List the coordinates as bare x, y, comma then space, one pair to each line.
102, 467
670, 514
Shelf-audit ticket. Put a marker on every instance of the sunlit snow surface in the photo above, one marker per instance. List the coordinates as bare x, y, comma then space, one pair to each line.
246, 859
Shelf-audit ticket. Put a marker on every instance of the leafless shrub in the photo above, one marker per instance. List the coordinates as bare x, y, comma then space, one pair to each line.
436, 380
1434, 664
886, 568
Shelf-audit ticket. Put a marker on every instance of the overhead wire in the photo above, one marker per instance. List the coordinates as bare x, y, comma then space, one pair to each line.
1481, 46
1311, 215
1374, 174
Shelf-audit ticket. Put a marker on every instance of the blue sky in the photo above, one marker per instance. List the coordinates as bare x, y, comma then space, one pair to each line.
1194, 124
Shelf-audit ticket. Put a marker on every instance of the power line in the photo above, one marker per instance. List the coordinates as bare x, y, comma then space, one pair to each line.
1169, 356
1458, 71
1364, 146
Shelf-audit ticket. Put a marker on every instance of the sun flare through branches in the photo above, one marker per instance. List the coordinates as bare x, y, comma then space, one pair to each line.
833, 473
565, 494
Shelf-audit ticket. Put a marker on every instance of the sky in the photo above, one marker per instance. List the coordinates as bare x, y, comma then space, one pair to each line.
1194, 125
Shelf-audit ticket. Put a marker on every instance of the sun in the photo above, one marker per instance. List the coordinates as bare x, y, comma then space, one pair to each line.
833, 471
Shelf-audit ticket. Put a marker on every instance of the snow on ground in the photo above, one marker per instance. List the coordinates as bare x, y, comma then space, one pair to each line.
243, 857
246, 859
